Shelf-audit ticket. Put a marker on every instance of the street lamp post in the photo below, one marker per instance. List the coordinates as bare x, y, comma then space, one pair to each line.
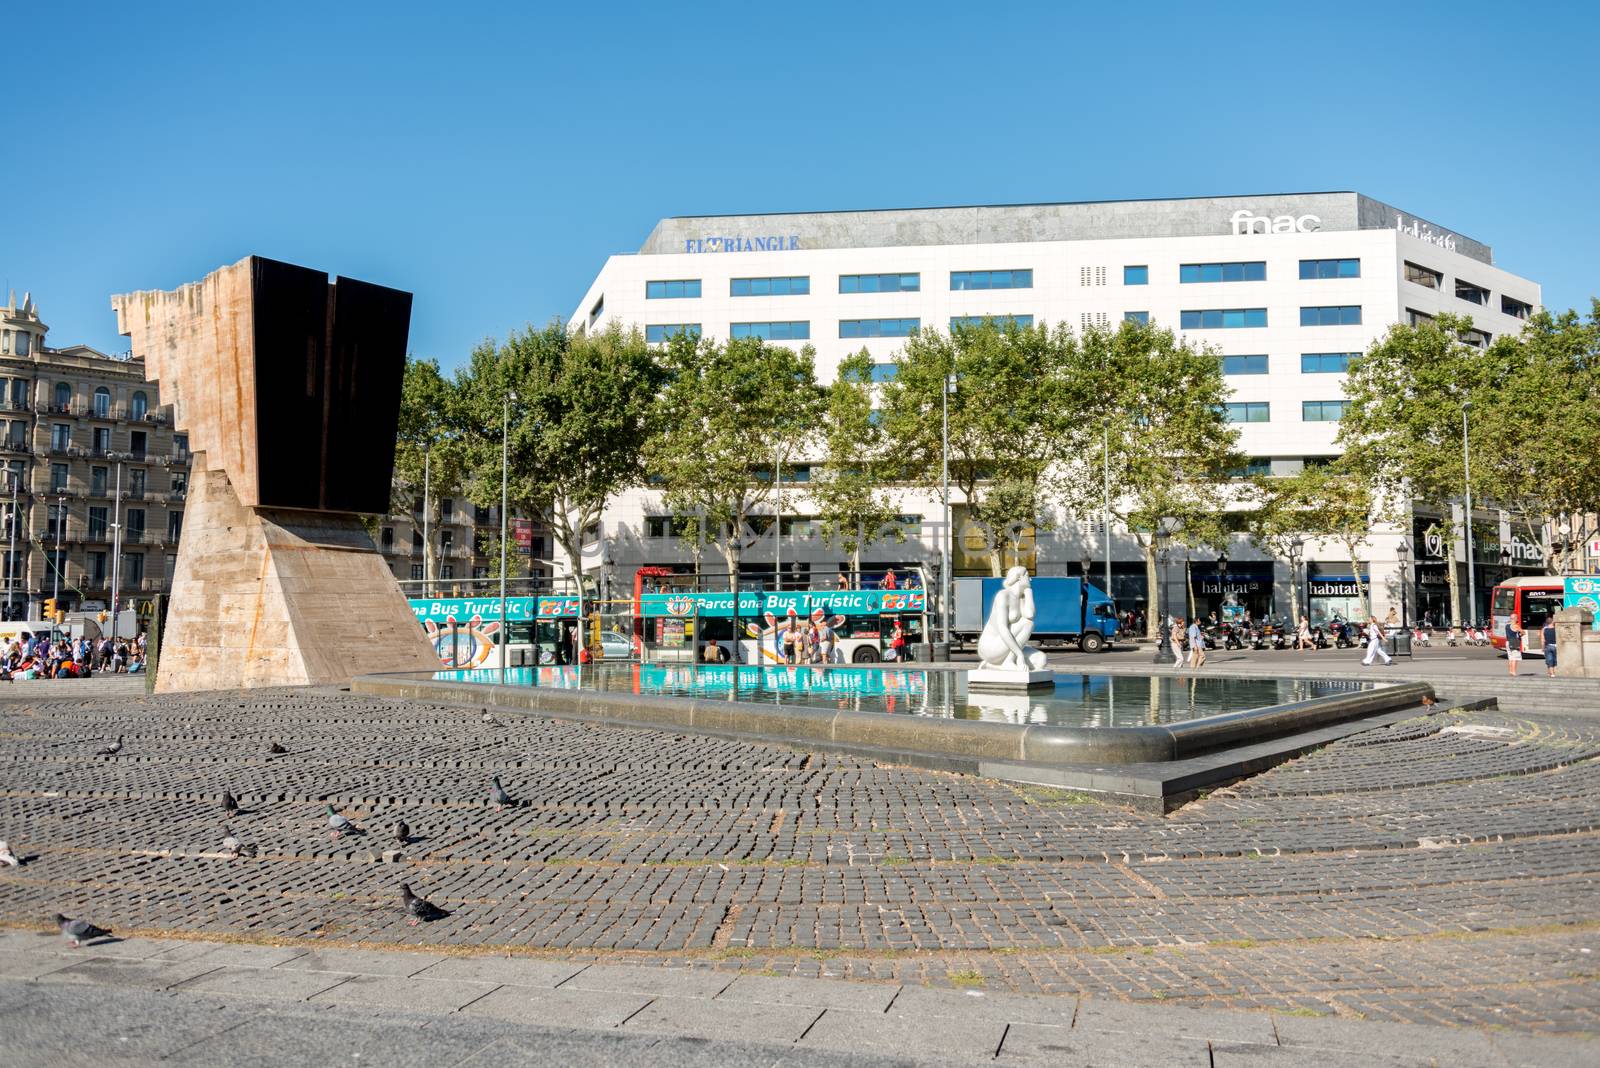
427, 528
947, 541
505, 453
116, 555
777, 518
1466, 470
1164, 530
61, 521
1296, 548
1222, 585
11, 557
1402, 553
1105, 503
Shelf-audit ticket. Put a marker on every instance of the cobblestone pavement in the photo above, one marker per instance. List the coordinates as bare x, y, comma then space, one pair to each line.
1440, 871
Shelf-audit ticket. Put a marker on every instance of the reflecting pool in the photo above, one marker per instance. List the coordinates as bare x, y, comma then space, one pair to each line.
1078, 700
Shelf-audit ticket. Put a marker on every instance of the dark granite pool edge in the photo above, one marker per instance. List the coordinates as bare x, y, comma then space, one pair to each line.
872, 733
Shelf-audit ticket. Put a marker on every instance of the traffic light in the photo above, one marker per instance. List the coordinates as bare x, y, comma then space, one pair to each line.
49, 608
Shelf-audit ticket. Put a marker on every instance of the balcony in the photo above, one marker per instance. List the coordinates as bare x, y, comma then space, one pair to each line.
14, 405
94, 535
19, 448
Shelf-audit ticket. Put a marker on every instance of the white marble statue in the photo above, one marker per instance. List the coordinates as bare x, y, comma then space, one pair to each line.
1003, 645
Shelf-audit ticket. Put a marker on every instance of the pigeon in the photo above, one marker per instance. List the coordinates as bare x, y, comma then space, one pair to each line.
498, 795
490, 720
402, 833
339, 825
417, 908
79, 931
235, 848
8, 858
230, 804
276, 750
110, 750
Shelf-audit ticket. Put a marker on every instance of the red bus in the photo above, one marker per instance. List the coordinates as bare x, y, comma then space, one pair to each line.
1529, 601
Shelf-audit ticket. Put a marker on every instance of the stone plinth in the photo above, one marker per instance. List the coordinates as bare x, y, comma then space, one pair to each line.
1001, 679
1577, 644
289, 390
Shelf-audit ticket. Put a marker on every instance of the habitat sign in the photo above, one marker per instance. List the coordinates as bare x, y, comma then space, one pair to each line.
802, 604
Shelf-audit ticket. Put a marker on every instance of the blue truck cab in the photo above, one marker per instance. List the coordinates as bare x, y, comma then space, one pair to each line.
1065, 610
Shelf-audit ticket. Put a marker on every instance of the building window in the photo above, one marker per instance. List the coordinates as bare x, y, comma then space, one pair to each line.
1424, 276
61, 436
139, 405
1467, 291
884, 372
63, 397
416, 572
1137, 317
879, 327
1001, 321
102, 440
991, 279
880, 283
1222, 318
1254, 466
387, 538
1310, 269
599, 307
659, 333
22, 342
1326, 363
447, 571
180, 483
447, 509
1417, 318
1247, 412
1478, 339
175, 526
1332, 315
18, 434
58, 478
1091, 276
19, 393
667, 526
97, 522
772, 331
1244, 365
136, 481
683, 287
1248, 271
1323, 411
180, 446
58, 521
138, 442
1514, 308
97, 481
1137, 275
102, 403
136, 517
97, 568
791, 286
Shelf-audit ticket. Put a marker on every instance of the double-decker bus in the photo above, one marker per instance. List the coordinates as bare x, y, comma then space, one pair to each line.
676, 624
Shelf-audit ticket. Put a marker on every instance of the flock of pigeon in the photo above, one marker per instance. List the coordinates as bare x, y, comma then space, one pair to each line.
418, 910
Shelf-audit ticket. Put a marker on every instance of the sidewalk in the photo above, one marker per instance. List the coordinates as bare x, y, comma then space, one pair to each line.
284, 1001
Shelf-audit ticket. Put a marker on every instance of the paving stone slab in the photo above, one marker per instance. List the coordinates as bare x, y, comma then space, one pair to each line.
731, 1021
261, 983
1027, 1043
1546, 1051
1101, 1014
32, 965
821, 993
1373, 1037
362, 962
913, 1036
388, 992
225, 955
1004, 1007
508, 970
669, 982
139, 974
600, 1009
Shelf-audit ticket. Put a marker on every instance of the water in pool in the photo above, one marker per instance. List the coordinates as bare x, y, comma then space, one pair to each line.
1077, 701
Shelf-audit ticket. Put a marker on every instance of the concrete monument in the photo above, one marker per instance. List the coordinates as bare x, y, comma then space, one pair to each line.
1008, 662
289, 390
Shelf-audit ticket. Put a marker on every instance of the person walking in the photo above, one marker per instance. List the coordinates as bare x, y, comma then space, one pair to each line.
1375, 643
1513, 647
792, 641
1197, 644
1175, 632
1302, 636
1548, 637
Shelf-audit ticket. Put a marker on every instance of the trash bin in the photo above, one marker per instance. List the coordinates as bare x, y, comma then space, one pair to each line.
1400, 642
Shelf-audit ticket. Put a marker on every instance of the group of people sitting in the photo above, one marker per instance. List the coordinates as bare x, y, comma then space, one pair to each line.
40, 657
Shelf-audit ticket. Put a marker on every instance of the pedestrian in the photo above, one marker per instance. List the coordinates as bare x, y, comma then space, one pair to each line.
1548, 637
1197, 645
813, 642
1175, 633
1302, 635
1513, 647
1375, 643
791, 641
889, 581
829, 641
897, 641
1392, 620
844, 580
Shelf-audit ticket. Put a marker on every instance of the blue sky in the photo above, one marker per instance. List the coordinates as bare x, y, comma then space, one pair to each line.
489, 157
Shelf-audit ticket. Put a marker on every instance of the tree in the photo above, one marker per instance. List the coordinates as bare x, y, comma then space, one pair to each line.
1011, 420
430, 449
1172, 450
1401, 431
853, 504
584, 410
1327, 501
730, 411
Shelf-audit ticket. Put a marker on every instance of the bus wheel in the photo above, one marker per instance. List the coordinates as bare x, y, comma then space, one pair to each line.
1092, 642
865, 655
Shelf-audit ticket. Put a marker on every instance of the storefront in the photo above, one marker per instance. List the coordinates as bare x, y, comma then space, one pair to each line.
1232, 591
1331, 595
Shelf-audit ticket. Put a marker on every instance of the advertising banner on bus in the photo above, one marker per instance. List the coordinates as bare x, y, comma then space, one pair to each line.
802, 603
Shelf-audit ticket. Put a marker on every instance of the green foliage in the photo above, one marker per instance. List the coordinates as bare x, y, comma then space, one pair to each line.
430, 448
854, 505
730, 409
1011, 420
1327, 501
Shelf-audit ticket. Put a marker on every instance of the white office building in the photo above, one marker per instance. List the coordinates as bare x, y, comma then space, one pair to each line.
1286, 286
